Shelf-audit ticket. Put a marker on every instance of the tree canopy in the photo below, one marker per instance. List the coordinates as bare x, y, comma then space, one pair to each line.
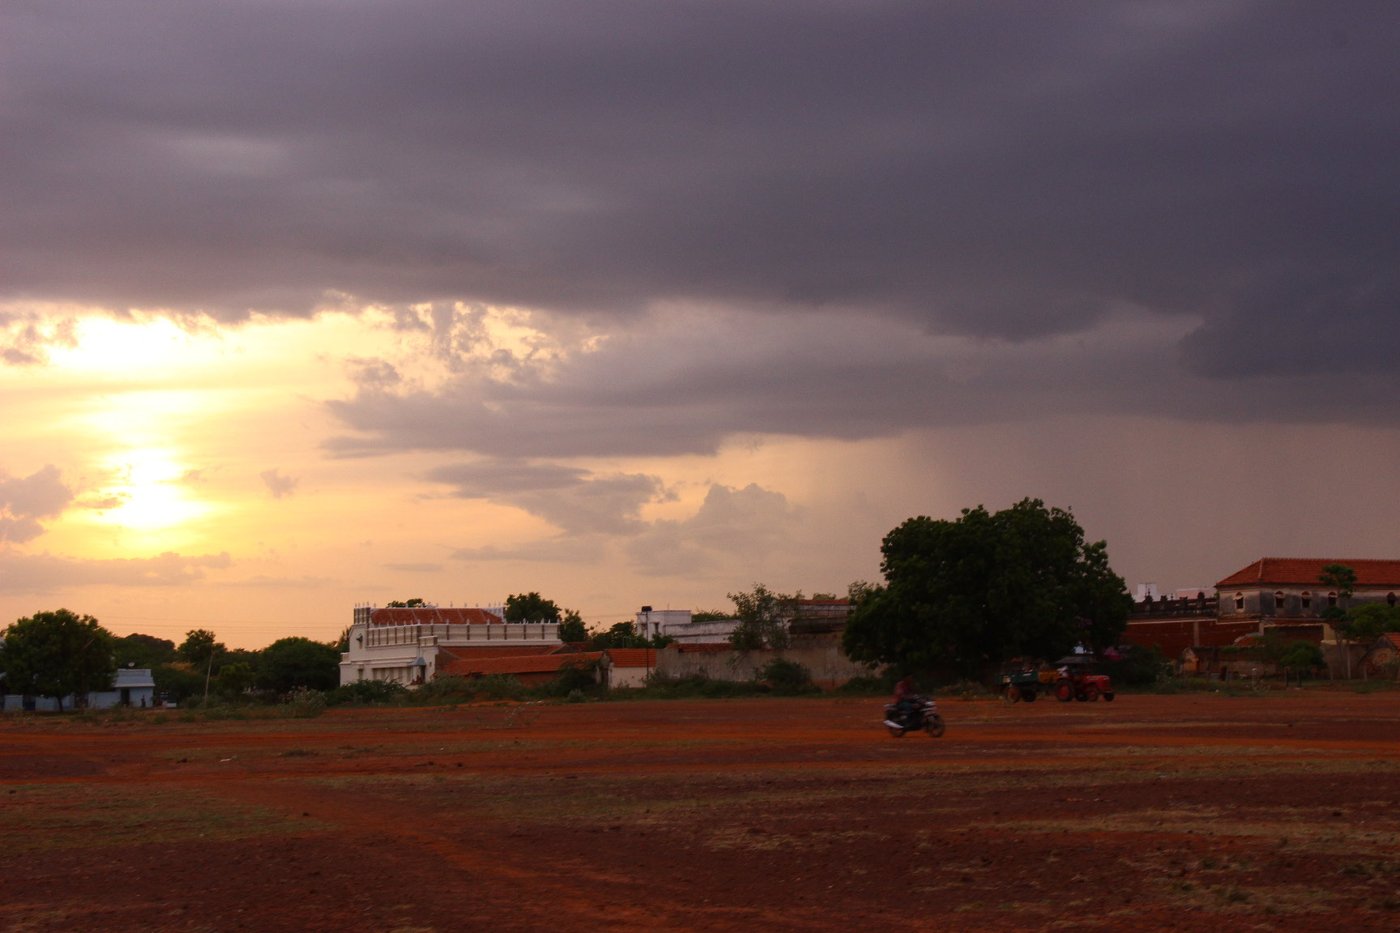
289, 663
200, 647
137, 650
1341, 579
531, 607
763, 618
57, 654
986, 587
571, 628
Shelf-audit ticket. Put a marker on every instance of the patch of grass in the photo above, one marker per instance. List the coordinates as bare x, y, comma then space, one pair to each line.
46, 817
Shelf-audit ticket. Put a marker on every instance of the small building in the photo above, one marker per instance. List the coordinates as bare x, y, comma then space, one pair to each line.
627, 667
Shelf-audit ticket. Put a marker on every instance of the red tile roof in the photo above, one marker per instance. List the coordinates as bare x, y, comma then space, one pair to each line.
1307, 571
520, 664
477, 652
632, 657
432, 615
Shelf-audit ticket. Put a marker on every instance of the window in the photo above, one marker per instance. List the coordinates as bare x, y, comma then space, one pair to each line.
1278, 599
1239, 602
1331, 599
1307, 599
1390, 599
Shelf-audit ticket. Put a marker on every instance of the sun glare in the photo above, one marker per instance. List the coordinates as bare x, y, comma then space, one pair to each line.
149, 492
105, 346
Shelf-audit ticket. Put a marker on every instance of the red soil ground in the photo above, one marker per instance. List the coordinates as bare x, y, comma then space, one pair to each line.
1154, 812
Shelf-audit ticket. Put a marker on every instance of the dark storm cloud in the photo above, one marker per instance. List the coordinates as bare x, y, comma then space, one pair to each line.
1008, 169
926, 214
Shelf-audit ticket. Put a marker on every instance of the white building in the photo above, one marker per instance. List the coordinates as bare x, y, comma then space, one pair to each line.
131, 686
677, 624
403, 644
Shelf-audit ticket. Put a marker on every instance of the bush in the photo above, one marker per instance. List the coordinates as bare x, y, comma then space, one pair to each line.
661, 686
305, 703
443, 690
963, 690
574, 678
787, 677
1138, 667
866, 686
367, 693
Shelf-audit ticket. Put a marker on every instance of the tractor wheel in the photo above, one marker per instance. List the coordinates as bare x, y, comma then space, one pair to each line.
1079, 696
1108, 696
1064, 692
1013, 693
1028, 695
1091, 693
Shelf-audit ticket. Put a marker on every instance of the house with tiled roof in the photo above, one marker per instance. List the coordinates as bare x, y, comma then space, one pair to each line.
1280, 596
406, 644
1287, 595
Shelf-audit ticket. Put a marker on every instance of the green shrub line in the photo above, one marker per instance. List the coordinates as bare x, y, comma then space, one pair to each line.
779, 677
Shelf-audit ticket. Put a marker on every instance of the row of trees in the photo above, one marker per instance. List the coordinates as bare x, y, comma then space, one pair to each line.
957, 595
61, 653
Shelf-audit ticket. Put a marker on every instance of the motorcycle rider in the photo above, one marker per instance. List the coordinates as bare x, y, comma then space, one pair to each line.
906, 693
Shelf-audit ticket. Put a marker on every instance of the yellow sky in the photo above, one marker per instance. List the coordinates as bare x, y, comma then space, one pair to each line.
204, 444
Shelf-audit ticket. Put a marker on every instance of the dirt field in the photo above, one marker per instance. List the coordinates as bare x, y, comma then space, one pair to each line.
1185, 812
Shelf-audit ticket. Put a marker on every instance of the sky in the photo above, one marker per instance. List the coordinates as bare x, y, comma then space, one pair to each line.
308, 304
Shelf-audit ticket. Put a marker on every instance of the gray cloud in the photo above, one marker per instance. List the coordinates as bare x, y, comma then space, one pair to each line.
45, 573
733, 527
278, 486
26, 500
575, 500
682, 384
1010, 171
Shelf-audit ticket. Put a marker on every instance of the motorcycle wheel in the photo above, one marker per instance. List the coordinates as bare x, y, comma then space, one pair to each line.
935, 726
896, 731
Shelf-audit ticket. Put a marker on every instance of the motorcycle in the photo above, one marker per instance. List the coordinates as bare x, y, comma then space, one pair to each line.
921, 713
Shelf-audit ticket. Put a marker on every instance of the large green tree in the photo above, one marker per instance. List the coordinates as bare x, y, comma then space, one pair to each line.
531, 607
57, 654
294, 662
986, 587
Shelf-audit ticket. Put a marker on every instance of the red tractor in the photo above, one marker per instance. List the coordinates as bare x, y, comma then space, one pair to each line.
1080, 685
